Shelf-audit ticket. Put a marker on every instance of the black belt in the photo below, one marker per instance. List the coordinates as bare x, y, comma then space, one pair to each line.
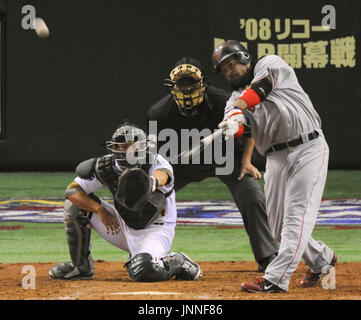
292, 143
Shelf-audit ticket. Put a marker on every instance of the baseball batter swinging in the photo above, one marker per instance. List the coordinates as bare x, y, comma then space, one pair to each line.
287, 130
192, 103
141, 221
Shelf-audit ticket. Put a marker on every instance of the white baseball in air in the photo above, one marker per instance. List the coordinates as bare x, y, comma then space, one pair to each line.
41, 28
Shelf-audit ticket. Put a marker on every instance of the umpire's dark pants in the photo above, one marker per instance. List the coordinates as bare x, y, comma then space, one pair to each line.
250, 201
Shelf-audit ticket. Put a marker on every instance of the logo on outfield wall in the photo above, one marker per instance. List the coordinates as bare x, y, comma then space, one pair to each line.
291, 39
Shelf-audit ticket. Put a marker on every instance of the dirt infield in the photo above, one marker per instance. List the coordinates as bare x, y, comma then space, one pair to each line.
221, 281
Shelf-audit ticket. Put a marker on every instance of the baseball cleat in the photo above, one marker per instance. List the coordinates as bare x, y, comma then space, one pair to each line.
313, 279
190, 270
66, 271
261, 285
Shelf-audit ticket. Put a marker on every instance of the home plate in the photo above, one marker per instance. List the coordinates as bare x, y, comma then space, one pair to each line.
159, 293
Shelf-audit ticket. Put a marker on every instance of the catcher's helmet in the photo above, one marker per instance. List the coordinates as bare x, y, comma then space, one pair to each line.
228, 49
129, 145
187, 85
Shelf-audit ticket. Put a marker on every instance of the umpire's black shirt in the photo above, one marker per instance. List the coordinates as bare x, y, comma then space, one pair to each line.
210, 113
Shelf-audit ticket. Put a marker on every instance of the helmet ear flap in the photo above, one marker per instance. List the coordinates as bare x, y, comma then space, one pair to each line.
243, 57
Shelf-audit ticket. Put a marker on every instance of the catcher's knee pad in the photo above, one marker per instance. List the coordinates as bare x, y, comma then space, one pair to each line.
142, 267
77, 228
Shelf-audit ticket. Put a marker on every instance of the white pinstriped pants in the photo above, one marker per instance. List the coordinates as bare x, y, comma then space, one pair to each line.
294, 183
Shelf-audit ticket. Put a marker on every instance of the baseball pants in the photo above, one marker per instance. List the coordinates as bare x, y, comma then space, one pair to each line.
154, 239
294, 183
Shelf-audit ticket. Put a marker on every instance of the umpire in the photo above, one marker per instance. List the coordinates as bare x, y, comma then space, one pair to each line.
194, 104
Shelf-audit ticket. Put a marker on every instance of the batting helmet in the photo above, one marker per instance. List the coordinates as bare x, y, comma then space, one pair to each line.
228, 49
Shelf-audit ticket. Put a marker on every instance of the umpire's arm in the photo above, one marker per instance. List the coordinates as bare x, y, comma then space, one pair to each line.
247, 166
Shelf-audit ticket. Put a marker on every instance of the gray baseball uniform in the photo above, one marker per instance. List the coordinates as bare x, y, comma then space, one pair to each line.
294, 177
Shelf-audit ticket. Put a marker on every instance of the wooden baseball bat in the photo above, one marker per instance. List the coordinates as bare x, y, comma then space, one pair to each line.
202, 145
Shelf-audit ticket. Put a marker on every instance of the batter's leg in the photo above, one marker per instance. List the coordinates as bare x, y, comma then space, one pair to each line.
321, 260
317, 255
275, 179
306, 176
250, 201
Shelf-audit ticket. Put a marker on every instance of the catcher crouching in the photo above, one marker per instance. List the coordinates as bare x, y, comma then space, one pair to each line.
142, 220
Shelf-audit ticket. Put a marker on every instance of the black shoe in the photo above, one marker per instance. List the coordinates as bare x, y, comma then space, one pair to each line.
263, 263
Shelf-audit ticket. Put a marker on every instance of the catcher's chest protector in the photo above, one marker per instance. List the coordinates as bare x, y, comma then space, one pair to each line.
107, 174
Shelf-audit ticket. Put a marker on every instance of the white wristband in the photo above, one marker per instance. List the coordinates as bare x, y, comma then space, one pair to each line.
154, 183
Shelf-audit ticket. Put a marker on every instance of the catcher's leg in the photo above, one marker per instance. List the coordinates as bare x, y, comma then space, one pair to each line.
143, 267
77, 228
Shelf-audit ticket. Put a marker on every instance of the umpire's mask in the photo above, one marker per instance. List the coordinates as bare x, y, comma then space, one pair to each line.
186, 85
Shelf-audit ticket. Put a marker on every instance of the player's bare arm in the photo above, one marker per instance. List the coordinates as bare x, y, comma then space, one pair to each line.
254, 94
161, 176
241, 104
247, 166
80, 199
250, 97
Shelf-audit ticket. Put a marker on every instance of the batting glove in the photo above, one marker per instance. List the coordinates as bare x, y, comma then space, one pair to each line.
233, 124
237, 115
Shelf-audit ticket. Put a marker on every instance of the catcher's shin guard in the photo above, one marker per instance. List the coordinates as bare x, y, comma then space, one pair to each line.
144, 268
77, 228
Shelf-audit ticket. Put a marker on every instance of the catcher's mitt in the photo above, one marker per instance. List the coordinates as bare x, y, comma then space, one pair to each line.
134, 189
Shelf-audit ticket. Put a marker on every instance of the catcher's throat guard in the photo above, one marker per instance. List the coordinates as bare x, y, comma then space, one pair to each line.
135, 201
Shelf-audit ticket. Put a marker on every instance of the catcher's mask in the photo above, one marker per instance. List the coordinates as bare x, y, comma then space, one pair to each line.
129, 146
187, 85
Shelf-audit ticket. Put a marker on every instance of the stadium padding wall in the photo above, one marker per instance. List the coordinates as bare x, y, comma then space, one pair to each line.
106, 60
